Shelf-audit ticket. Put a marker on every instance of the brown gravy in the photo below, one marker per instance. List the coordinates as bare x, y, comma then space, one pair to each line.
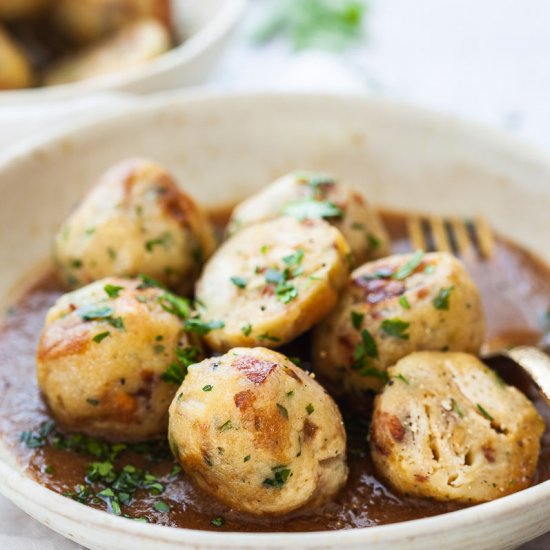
515, 287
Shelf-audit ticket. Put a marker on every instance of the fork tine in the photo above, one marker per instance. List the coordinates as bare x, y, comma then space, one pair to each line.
463, 242
468, 239
439, 234
485, 238
416, 235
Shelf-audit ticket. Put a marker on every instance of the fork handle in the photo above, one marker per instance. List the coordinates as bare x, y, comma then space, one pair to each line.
536, 363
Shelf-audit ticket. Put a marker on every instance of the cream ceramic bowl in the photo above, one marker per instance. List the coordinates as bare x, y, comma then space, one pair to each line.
202, 26
223, 148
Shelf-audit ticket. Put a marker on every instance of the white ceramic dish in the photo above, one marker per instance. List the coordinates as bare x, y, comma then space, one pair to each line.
223, 148
204, 27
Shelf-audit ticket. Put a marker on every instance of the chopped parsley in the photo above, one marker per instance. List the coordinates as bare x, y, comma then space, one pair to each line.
396, 328
383, 273
455, 407
197, 326
176, 305
247, 458
484, 412
100, 313
177, 371
93, 402
357, 319
270, 337
310, 408
148, 282
282, 411
275, 276
111, 500
374, 242
163, 241
100, 336
75, 264
404, 302
225, 426
104, 481
286, 292
364, 350
115, 322
161, 506
441, 301
310, 208
217, 522
112, 290
295, 258
402, 378
239, 282
280, 477
37, 438
317, 24
408, 268
95, 312
246, 329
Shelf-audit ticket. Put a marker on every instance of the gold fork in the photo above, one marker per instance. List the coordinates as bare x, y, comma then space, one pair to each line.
473, 240
469, 239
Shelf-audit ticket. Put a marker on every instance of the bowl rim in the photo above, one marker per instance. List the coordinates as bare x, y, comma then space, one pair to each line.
504, 140
226, 18
14, 482
27, 488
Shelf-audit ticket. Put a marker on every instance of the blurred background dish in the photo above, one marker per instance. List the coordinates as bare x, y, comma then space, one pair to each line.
76, 48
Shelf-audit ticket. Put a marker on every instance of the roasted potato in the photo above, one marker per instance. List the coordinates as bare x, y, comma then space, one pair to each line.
105, 356
448, 428
15, 69
392, 307
133, 45
316, 195
135, 221
271, 282
86, 21
258, 433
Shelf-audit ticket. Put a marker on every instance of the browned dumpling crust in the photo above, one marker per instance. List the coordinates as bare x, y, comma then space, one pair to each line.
314, 195
15, 69
392, 307
271, 282
110, 358
129, 47
256, 432
135, 221
447, 427
86, 21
